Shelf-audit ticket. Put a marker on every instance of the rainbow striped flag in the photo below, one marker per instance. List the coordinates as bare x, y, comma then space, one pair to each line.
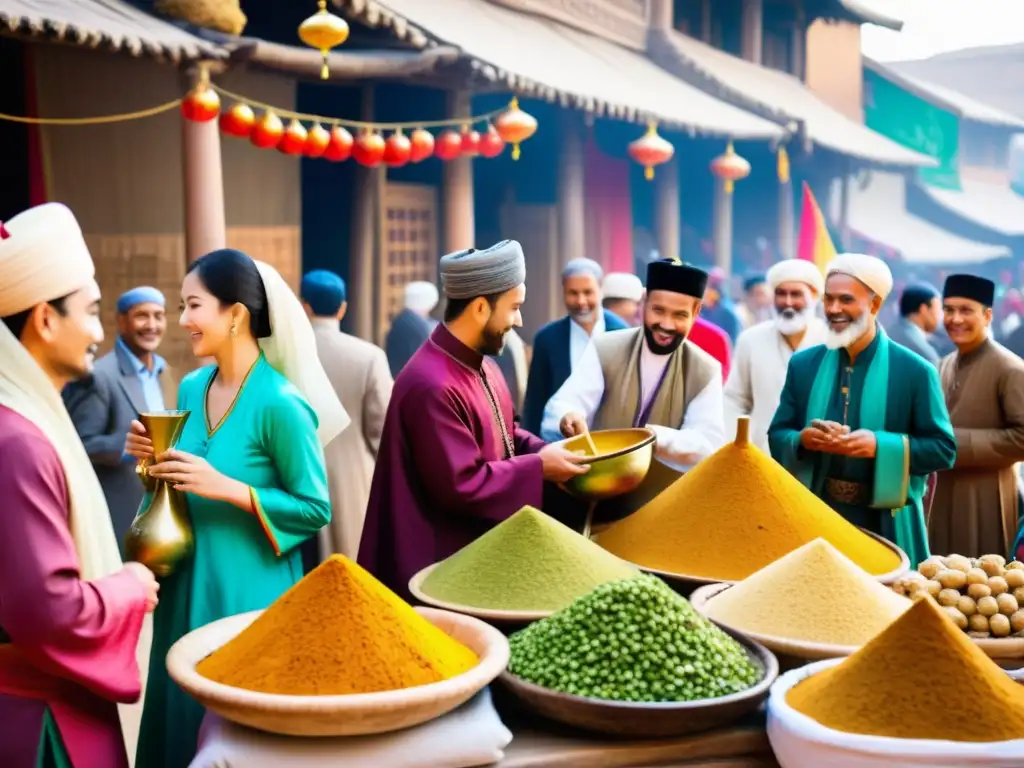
815, 243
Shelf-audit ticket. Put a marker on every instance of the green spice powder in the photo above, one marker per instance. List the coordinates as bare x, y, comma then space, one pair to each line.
530, 562
632, 640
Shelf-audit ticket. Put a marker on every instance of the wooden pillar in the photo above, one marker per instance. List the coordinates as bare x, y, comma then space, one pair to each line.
203, 174
705, 21
722, 227
571, 193
844, 207
666, 208
787, 226
662, 14
459, 230
366, 245
752, 30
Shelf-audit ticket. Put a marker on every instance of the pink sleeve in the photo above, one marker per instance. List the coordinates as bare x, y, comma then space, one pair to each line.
86, 631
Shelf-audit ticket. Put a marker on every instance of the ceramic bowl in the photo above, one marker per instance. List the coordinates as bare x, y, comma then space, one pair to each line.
623, 459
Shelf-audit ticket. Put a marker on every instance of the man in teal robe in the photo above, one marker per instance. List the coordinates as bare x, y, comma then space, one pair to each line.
862, 420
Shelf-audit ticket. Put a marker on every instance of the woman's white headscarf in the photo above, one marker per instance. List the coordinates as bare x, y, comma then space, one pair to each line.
291, 350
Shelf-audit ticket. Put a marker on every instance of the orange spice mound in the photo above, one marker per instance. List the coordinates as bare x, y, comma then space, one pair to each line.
337, 631
910, 681
733, 514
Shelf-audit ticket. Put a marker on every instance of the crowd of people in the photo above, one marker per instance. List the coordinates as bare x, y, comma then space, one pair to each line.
303, 441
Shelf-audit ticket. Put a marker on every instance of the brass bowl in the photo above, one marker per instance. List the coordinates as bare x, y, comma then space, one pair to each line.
623, 459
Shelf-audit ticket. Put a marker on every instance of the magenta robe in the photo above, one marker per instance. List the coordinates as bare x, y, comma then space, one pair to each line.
72, 642
442, 477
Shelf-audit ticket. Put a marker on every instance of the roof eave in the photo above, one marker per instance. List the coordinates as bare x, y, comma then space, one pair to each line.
865, 15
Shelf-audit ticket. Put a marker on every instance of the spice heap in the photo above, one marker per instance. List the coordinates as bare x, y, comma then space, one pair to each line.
815, 594
983, 596
733, 514
632, 640
530, 562
338, 631
895, 685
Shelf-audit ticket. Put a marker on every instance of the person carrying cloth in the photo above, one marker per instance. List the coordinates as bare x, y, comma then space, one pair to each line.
861, 420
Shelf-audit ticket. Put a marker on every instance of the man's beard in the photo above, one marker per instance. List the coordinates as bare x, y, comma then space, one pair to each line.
583, 317
493, 341
662, 349
854, 331
790, 320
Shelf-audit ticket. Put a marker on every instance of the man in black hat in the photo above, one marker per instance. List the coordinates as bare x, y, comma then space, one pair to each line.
975, 507
649, 376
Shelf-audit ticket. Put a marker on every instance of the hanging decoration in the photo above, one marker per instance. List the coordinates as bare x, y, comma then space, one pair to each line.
448, 146
339, 148
491, 144
323, 31
202, 104
238, 121
730, 167
421, 145
317, 139
267, 131
368, 149
651, 150
515, 126
470, 142
782, 165
294, 139
397, 150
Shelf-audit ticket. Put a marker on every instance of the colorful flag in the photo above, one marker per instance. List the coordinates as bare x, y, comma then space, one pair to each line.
815, 243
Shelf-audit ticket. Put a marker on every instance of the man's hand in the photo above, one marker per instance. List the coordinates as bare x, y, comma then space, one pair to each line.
815, 439
561, 465
573, 424
861, 444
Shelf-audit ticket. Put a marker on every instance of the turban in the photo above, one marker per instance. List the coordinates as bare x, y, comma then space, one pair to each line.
796, 271
144, 294
43, 256
421, 296
669, 275
582, 267
870, 270
622, 285
970, 287
323, 291
472, 273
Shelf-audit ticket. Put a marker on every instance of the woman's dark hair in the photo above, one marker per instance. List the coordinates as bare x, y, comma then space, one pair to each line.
233, 278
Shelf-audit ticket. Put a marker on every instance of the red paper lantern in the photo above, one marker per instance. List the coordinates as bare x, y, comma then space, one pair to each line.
317, 140
339, 148
422, 145
397, 150
238, 121
470, 142
515, 126
201, 104
267, 132
651, 150
448, 146
368, 149
730, 167
294, 139
491, 144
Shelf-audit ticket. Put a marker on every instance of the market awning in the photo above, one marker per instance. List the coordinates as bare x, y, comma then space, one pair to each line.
110, 24
993, 206
779, 96
539, 57
878, 213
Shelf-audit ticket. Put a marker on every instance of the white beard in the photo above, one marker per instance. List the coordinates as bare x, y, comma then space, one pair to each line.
853, 332
794, 323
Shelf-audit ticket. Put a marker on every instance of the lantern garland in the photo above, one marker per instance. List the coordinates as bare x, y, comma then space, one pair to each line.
407, 142
730, 167
651, 150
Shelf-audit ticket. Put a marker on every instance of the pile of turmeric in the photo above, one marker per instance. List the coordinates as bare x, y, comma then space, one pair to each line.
337, 631
897, 685
733, 514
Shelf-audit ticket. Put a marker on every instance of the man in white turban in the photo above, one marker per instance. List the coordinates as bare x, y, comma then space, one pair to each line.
412, 326
862, 421
763, 351
623, 292
70, 612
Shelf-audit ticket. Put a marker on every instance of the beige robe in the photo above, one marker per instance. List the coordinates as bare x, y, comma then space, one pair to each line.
974, 511
360, 375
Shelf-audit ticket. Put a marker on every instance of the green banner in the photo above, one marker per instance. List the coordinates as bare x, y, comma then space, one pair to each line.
911, 121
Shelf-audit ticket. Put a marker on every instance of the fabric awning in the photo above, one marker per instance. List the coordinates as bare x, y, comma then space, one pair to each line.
110, 24
993, 206
779, 96
878, 213
539, 57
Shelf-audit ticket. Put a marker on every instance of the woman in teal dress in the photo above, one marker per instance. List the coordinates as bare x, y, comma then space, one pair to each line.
250, 461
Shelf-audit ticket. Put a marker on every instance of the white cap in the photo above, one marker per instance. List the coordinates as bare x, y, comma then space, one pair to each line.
870, 270
622, 285
796, 271
421, 296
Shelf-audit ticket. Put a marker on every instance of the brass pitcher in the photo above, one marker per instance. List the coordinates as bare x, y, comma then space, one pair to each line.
161, 535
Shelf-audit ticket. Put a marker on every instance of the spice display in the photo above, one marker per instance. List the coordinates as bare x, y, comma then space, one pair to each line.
337, 631
632, 640
896, 684
530, 562
815, 594
733, 514
983, 596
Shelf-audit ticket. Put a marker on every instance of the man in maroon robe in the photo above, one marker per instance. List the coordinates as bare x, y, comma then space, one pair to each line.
452, 461
70, 612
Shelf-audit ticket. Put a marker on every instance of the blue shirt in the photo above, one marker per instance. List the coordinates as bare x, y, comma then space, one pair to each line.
149, 378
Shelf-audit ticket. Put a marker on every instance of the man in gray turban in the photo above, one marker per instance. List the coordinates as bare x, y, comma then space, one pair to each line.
453, 462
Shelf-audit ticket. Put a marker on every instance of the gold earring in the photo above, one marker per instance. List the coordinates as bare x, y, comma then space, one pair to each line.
234, 329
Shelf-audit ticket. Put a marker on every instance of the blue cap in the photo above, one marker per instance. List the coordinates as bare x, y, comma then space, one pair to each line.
144, 294
324, 291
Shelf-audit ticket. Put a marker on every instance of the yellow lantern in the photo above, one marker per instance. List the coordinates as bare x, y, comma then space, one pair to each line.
323, 31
